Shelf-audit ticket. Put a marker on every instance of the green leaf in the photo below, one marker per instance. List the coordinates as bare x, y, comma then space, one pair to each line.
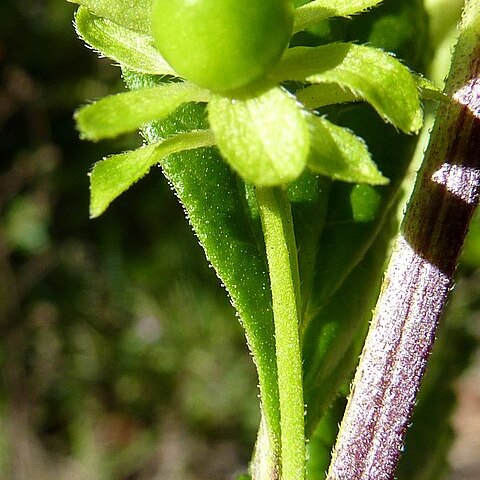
318, 10
264, 137
124, 112
131, 14
127, 47
339, 154
308, 196
369, 73
319, 446
365, 202
112, 176
344, 288
355, 217
333, 340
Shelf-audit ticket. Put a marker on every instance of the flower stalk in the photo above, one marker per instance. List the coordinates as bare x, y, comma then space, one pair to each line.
279, 237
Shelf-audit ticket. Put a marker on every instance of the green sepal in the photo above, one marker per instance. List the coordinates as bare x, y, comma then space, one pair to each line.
115, 174
429, 90
131, 14
340, 155
316, 96
125, 112
129, 48
321, 95
369, 73
264, 137
318, 10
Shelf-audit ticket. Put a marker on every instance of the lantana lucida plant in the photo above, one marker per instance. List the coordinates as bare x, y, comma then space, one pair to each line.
279, 125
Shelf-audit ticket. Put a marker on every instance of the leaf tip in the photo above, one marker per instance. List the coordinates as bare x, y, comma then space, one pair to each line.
95, 212
381, 180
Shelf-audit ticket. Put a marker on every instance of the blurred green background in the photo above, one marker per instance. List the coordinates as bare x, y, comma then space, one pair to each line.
120, 355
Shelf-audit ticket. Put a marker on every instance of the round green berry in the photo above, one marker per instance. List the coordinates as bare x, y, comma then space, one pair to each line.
222, 44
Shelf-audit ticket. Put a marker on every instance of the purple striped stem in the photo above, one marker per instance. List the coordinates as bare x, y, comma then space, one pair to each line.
419, 276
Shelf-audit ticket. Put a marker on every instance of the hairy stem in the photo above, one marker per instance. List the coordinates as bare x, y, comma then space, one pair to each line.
284, 280
418, 277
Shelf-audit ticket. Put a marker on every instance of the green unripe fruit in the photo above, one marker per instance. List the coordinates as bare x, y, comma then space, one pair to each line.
222, 44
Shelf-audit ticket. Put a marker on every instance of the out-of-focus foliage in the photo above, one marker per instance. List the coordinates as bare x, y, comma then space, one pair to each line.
112, 366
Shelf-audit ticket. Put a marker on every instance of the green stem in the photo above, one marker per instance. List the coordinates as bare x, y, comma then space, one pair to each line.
277, 227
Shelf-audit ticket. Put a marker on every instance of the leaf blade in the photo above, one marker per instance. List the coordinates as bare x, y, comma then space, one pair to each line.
214, 200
